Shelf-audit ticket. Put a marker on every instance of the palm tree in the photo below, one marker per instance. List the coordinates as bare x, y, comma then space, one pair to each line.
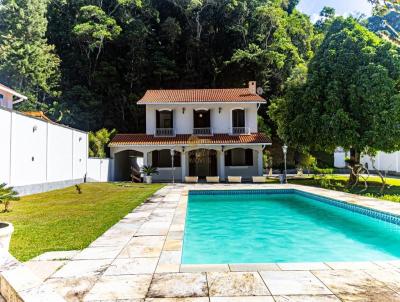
7, 194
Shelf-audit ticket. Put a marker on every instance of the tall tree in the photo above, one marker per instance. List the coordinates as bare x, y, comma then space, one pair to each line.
27, 62
350, 96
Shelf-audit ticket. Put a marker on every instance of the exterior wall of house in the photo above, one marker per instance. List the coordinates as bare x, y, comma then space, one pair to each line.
37, 156
220, 122
180, 172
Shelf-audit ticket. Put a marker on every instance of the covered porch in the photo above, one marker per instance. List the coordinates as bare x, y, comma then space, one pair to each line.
176, 162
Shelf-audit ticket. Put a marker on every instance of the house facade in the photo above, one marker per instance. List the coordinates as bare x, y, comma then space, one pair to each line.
9, 97
195, 132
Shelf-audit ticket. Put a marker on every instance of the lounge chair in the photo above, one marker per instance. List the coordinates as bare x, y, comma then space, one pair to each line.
212, 179
235, 179
191, 179
259, 179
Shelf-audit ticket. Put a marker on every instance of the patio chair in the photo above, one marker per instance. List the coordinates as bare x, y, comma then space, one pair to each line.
212, 179
259, 179
191, 179
234, 179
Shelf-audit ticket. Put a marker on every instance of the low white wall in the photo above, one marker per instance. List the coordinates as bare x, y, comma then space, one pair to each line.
389, 162
37, 155
99, 169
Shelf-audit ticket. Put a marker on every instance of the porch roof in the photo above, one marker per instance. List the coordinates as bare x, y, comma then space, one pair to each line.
188, 139
183, 96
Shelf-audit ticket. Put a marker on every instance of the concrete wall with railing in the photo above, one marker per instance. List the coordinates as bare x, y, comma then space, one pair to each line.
220, 116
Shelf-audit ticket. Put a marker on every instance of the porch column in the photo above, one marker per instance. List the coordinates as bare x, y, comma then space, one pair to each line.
183, 165
145, 154
221, 165
260, 162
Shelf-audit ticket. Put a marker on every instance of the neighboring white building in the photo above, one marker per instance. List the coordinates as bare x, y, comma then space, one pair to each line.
9, 97
211, 132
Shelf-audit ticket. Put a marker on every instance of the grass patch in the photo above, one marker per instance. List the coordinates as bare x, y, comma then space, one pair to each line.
65, 220
339, 183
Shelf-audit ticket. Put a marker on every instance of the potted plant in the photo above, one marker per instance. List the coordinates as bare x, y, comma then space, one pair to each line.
148, 171
7, 194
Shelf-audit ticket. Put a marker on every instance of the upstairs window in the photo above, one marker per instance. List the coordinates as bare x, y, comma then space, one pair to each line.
238, 118
164, 119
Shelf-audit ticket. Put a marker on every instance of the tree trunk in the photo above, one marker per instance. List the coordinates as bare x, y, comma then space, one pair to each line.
354, 165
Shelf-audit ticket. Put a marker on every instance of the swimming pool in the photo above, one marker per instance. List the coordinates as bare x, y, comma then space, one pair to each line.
284, 226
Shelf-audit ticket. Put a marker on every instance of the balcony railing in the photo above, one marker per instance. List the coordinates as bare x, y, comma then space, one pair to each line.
203, 131
165, 132
239, 130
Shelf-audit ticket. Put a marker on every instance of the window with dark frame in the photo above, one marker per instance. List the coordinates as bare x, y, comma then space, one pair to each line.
238, 118
164, 119
239, 157
162, 159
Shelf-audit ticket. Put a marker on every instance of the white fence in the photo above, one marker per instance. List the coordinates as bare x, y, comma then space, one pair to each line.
37, 156
99, 169
387, 162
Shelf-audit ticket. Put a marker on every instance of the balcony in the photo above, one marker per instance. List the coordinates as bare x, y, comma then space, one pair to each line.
239, 131
203, 131
164, 132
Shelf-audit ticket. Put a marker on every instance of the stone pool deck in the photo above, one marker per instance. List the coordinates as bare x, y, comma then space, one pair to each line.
139, 260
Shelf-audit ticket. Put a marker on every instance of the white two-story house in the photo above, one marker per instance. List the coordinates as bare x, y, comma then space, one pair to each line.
9, 97
195, 132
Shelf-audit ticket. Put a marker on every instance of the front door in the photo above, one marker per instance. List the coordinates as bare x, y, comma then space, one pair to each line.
202, 163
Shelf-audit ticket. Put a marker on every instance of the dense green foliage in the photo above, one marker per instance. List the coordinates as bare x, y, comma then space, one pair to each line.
98, 142
348, 97
27, 62
112, 51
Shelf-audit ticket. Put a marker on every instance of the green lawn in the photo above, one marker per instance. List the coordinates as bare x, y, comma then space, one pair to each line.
339, 182
66, 220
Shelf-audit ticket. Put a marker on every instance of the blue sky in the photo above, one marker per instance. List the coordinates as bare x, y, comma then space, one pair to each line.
343, 7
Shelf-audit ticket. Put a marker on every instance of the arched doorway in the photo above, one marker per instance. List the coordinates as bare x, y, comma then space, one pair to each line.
202, 163
126, 164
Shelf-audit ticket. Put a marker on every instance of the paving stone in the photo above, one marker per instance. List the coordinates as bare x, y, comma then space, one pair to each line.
253, 267
143, 246
170, 257
132, 266
242, 299
236, 284
173, 245
178, 285
83, 268
119, 287
307, 298
72, 289
352, 265
390, 277
356, 286
57, 255
293, 283
203, 268
167, 268
199, 299
303, 266
91, 253
44, 269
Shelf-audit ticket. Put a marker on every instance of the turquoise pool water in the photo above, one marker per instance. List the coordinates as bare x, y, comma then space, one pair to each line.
256, 228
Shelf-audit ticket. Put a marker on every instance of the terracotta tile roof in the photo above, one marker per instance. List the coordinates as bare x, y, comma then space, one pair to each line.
187, 139
239, 95
38, 114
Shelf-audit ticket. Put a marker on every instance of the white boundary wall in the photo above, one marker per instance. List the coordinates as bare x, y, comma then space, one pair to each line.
99, 169
38, 156
388, 162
